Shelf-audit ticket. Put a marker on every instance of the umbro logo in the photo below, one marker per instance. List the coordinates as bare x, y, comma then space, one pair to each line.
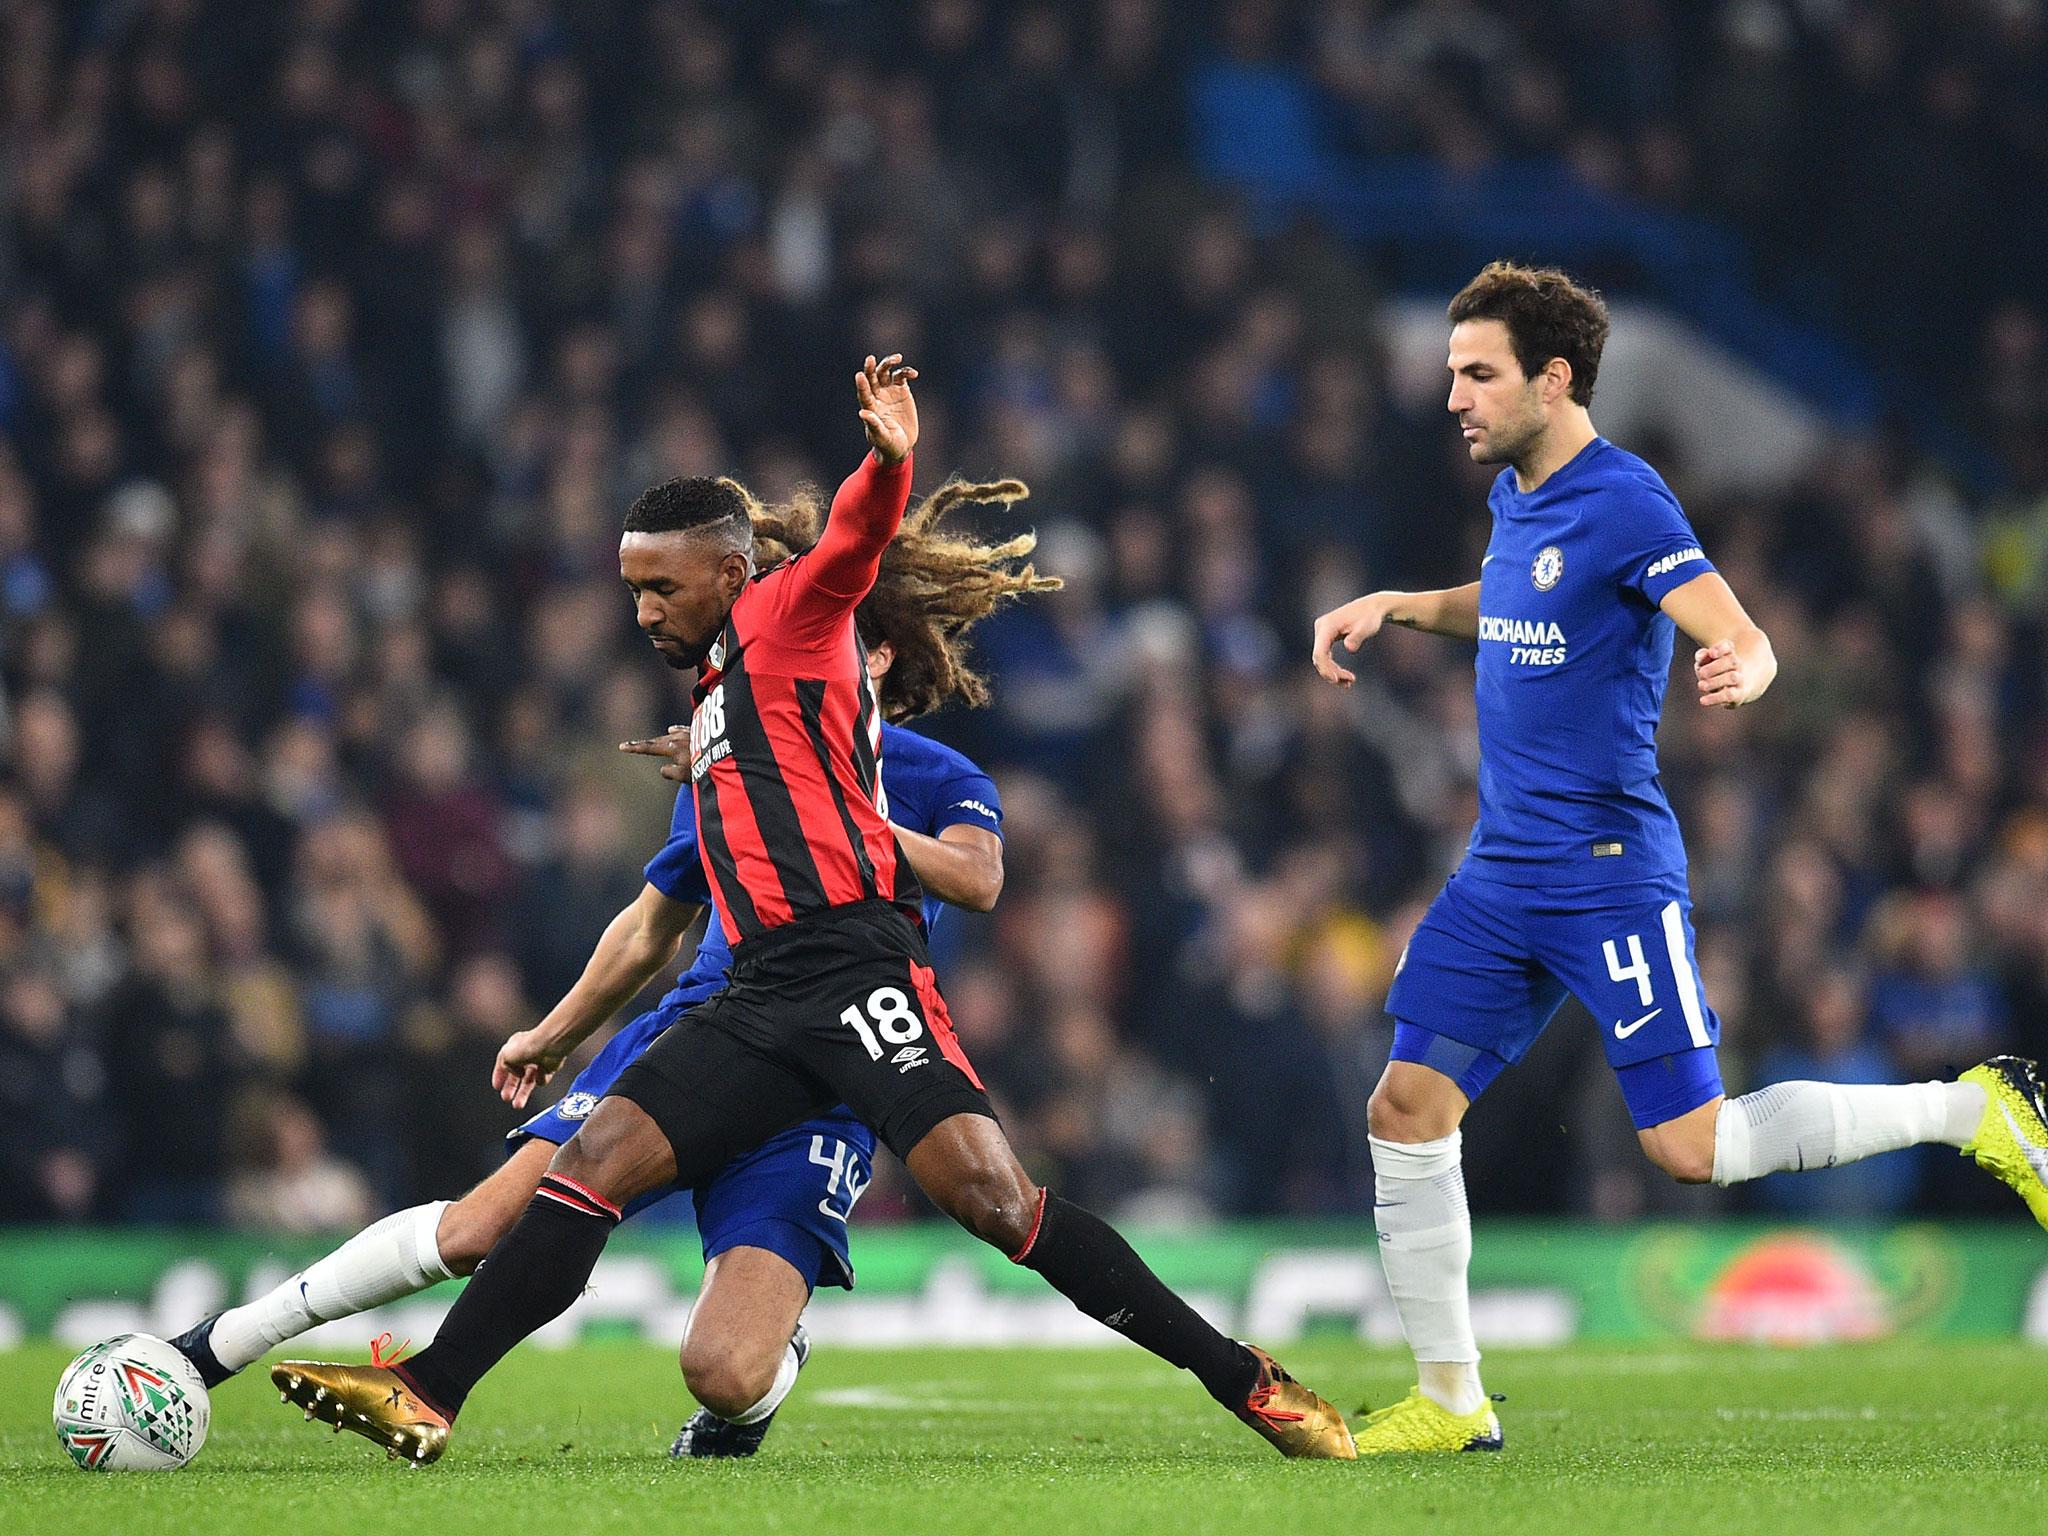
910, 1056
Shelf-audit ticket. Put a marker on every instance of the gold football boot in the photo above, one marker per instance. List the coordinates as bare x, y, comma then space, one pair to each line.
1291, 1417
372, 1400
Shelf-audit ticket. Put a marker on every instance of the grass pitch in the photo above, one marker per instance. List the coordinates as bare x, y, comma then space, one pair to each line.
1911, 1437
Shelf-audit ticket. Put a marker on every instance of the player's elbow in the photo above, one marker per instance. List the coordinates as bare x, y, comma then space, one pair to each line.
986, 885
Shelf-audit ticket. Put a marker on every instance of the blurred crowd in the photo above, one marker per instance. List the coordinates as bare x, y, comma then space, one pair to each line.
335, 336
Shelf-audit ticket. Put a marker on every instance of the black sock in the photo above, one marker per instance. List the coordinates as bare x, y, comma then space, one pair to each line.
1085, 1260
530, 1278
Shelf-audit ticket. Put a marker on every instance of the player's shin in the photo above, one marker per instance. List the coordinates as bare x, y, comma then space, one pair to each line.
530, 1279
1790, 1127
1085, 1260
385, 1262
1425, 1233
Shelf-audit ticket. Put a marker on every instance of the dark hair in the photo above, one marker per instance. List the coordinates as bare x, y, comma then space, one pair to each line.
693, 501
936, 584
1547, 315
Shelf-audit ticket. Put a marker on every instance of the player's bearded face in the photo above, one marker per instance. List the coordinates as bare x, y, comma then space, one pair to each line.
1511, 426
1500, 410
681, 595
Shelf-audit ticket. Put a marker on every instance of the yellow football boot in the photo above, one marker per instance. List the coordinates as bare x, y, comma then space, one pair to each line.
372, 1400
2012, 1138
1293, 1419
1419, 1423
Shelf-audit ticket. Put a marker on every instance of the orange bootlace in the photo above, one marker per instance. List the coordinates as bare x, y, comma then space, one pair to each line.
1262, 1394
379, 1359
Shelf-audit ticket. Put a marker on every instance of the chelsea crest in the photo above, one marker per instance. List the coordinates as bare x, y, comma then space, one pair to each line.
1548, 568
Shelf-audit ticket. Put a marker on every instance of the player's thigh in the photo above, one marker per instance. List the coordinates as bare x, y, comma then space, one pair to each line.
471, 1226
1628, 954
1469, 994
878, 1034
711, 1096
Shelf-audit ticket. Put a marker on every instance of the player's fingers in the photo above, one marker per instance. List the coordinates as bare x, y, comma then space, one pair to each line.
675, 772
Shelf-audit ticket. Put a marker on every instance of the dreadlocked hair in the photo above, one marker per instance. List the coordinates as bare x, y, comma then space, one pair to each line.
935, 585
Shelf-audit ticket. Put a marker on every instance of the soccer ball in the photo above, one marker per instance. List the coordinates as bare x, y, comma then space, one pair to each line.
131, 1404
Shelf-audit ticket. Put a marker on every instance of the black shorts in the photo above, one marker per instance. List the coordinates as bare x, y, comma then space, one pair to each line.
840, 1008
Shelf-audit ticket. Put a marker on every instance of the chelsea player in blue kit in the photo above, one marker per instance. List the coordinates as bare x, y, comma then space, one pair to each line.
1575, 878
773, 1222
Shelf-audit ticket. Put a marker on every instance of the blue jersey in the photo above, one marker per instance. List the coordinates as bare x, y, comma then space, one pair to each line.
1573, 657
927, 787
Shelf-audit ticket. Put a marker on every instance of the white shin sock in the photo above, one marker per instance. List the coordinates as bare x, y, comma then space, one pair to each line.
389, 1259
1426, 1248
1789, 1127
785, 1378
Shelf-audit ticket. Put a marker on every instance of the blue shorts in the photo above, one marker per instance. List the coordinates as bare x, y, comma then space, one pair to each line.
1491, 963
791, 1195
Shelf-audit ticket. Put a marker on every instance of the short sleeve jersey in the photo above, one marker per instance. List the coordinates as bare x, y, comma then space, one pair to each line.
1574, 654
930, 787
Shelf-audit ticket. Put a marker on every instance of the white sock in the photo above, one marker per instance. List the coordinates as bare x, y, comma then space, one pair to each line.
1426, 1247
1789, 1127
395, 1257
785, 1378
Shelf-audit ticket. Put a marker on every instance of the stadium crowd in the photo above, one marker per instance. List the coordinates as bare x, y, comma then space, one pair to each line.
335, 336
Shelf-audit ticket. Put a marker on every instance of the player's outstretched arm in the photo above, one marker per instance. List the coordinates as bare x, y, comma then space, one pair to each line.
1452, 611
635, 946
868, 508
1734, 663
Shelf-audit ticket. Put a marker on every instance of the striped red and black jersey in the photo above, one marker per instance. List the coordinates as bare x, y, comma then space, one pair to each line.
786, 738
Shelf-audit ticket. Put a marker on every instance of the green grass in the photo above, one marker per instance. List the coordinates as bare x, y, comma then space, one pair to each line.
1912, 1437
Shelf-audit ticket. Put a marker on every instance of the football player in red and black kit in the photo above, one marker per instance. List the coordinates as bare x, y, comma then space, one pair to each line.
831, 997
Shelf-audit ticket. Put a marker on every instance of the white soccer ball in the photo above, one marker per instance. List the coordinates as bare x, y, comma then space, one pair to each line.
131, 1404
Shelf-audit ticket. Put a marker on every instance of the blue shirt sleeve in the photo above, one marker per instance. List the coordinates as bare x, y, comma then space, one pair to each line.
677, 871
1657, 548
967, 799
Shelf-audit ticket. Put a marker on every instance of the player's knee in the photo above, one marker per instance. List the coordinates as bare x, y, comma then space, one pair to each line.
727, 1381
467, 1232
1397, 1112
996, 1205
1687, 1158
603, 1151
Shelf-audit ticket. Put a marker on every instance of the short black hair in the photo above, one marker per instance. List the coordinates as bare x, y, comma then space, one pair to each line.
1547, 315
689, 502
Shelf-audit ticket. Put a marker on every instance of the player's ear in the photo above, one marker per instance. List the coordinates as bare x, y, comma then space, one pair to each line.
733, 572
1557, 380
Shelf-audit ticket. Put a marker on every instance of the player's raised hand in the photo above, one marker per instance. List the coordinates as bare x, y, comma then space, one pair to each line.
887, 409
1724, 681
1353, 624
673, 745
525, 1062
